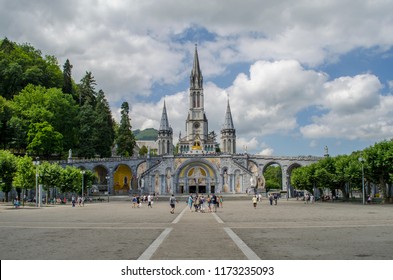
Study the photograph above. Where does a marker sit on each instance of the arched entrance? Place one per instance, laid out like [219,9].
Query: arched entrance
[122,179]
[197,177]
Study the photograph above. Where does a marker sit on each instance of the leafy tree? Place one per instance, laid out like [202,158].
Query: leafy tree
[87,132]
[24,178]
[70,179]
[104,127]
[143,151]
[379,165]
[21,65]
[36,104]
[44,140]
[125,139]
[5,117]
[8,168]
[50,177]
[87,92]
[273,175]
[67,77]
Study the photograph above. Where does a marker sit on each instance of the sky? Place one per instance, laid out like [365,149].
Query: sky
[300,75]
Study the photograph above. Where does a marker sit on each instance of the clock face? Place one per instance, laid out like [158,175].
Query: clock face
[196,125]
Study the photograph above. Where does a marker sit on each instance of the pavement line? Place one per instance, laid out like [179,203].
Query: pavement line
[74,227]
[218,219]
[148,253]
[242,246]
[175,221]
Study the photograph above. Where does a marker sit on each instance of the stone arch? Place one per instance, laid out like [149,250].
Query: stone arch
[196,175]
[288,173]
[100,183]
[123,180]
[282,176]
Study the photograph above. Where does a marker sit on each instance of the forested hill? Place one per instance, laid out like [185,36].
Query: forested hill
[146,134]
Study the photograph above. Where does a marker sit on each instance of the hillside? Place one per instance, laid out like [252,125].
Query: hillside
[146,134]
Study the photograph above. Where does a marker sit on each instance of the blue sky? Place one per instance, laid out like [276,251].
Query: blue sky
[300,75]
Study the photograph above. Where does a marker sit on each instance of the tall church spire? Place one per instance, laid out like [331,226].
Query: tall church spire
[164,124]
[228,124]
[165,141]
[228,133]
[196,78]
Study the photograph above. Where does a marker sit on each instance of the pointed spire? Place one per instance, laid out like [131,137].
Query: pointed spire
[196,78]
[228,124]
[164,124]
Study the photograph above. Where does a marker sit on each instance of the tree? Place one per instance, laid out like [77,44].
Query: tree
[125,139]
[50,177]
[87,92]
[5,117]
[44,140]
[379,166]
[67,78]
[70,179]
[21,65]
[273,176]
[143,151]
[24,178]
[104,127]
[8,168]
[87,132]
[36,104]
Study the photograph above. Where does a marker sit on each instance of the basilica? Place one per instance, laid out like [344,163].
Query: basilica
[199,165]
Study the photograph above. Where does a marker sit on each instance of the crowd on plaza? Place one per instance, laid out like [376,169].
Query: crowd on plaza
[202,204]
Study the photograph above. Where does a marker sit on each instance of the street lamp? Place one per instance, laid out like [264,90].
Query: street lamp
[83,183]
[107,182]
[36,163]
[363,192]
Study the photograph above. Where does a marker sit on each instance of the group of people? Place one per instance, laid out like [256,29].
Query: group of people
[80,200]
[138,200]
[273,198]
[202,203]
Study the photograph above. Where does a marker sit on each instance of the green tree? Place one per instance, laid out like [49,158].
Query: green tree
[103,124]
[36,104]
[87,132]
[50,177]
[21,65]
[143,151]
[44,140]
[273,175]
[24,178]
[70,179]
[379,166]
[5,117]
[8,168]
[86,89]
[67,78]
[125,139]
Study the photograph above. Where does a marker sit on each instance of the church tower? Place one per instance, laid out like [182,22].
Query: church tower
[228,134]
[197,139]
[165,139]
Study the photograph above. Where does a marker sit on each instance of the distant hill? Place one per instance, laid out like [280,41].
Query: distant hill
[146,134]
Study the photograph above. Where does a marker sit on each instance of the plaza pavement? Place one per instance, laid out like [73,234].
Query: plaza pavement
[114,230]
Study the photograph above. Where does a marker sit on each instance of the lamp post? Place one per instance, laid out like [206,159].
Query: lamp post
[36,163]
[83,185]
[363,192]
[107,182]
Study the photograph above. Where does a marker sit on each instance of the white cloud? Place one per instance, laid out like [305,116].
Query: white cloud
[131,47]
[355,110]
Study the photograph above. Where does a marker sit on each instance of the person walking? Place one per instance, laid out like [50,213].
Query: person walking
[172,203]
[215,202]
[149,201]
[254,201]
[190,202]
[271,199]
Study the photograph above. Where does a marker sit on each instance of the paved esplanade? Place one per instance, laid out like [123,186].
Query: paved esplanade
[290,230]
